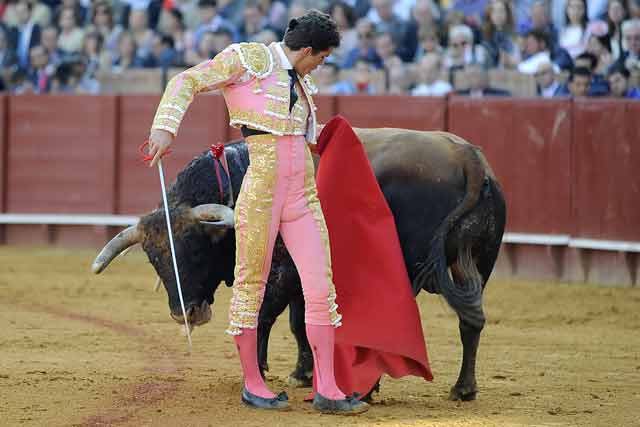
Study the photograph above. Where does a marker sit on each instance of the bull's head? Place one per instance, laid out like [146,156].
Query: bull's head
[204,247]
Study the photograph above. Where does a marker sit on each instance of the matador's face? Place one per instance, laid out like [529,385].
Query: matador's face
[310,61]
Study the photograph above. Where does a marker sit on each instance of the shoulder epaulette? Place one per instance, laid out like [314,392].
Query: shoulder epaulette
[256,58]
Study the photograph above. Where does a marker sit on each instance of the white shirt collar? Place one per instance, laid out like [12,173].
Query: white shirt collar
[283,57]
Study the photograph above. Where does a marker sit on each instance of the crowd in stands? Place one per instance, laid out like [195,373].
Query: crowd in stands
[417,47]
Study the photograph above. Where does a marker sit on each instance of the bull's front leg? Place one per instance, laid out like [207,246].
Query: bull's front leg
[273,304]
[302,375]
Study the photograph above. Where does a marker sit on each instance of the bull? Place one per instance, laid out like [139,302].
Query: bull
[448,208]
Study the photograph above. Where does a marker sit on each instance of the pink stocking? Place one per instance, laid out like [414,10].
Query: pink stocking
[322,340]
[247,344]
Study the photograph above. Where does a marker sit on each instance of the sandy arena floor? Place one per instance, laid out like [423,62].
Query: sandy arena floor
[78,349]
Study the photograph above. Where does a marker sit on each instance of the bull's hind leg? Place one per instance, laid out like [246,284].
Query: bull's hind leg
[303,373]
[466,387]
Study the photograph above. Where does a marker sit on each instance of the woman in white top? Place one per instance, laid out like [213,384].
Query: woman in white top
[573,36]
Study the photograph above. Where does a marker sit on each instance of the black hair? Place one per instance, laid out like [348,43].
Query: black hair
[618,67]
[348,12]
[314,29]
[207,3]
[579,71]
[541,36]
[591,57]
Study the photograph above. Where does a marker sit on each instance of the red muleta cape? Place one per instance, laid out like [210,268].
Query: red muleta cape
[381,331]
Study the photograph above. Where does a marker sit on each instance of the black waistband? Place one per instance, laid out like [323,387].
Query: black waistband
[246,132]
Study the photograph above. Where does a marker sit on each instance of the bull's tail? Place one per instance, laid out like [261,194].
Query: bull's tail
[433,275]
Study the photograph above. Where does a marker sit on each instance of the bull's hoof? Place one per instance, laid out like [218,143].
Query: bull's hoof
[301,380]
[463,393]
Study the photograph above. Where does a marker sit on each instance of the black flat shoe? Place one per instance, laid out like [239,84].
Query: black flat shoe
[280,402]
[350,405]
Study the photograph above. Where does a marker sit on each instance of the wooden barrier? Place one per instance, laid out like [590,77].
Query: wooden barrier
[418,112]
[139,187]
[567,169]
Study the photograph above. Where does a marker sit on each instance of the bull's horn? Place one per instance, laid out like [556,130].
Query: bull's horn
[123,240]
[219,216]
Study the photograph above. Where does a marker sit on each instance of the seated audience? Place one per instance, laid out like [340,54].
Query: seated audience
[547,84]
[429,82]
[478,79]
[619,83]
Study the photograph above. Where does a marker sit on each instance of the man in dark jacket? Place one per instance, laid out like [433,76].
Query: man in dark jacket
[25,35]
[479,83]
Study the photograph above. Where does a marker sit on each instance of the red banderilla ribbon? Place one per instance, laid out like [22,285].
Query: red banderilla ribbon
[217,150]
[144,156]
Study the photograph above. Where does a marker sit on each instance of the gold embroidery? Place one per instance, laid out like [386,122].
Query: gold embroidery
[253,218]
[256,58]
[210,75]
[265,122]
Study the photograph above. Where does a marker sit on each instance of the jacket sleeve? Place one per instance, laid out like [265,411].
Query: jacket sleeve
[224,69]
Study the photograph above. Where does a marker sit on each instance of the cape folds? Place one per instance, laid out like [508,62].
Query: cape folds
[381,331]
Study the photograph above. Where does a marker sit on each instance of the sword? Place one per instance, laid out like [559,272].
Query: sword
[173,252]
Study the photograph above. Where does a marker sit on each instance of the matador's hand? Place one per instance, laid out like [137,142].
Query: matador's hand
[159,142]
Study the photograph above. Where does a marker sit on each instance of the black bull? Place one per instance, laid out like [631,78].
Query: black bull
[447,204]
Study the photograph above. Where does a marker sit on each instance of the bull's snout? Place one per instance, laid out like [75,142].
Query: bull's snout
[196,314]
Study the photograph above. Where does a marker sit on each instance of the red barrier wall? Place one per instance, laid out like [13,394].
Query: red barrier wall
[606,181]
[139,187]
[528,144]
[422,113]
[3,152]
[61,154]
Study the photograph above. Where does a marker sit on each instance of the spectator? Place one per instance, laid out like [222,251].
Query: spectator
[211,20]
[462,51]
[597,9]
[618,78]
[365,49]
[221,39]
[172,25]
[429,43]
[498,35]
[8,58]
[425,18]
[579,82]
[127,56]
[599,45]
[573,37]
[163,54]
[386,21]
[206,49]
[363,77]
[20,83]
[79,10]
[266,36]
[102,21]
[297,9]
[547,84]
[38,69]
[541,21]
[630,57]
[345,20]
[328,81]
[96,59]
[537,50]
[25,35]
[471,9]
[360,7]
[276,14]
[71,35]
[599,85]
[254,21]
[634,9]
[616,14]
[139,29]
[397,77]
[40,13]
[478,79]
[49,41]
[429,82]
[385,48]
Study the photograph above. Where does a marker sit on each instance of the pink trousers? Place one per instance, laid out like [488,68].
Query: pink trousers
[279,194]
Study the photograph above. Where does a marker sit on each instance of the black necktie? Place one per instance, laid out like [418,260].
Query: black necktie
[292,88]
